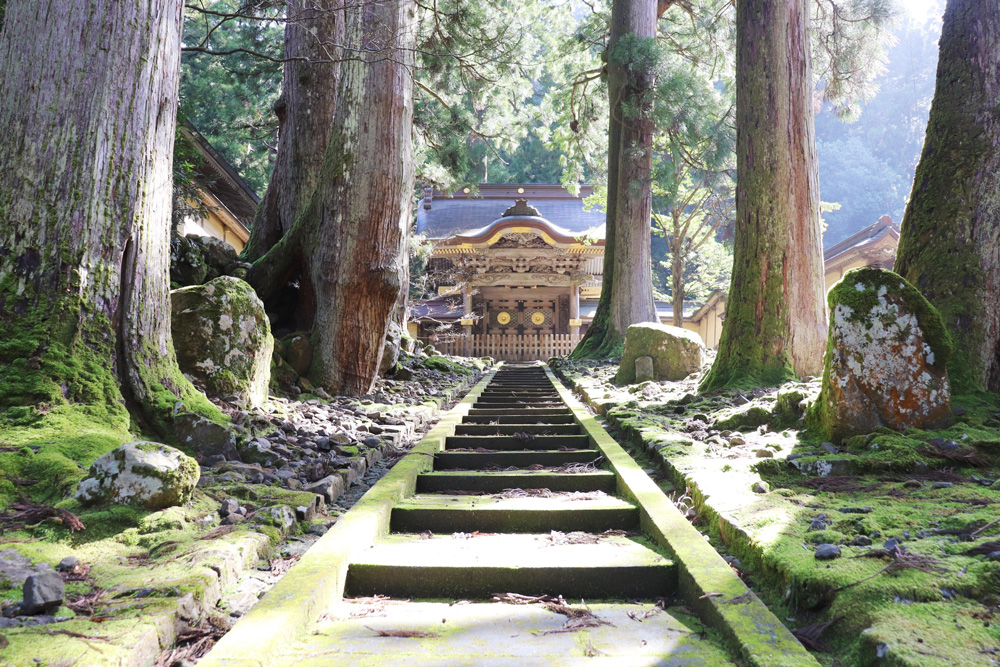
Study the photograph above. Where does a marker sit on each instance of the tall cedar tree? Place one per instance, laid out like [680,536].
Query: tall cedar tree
[88,97]
[348,246]
[949,245]
[627,289]
[775,325]
[313,34]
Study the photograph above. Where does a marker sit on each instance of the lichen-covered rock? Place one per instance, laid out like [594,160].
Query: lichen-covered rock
[885,359]
[223,338]
[187,263]
[143,474]
[676,352]
[205,437]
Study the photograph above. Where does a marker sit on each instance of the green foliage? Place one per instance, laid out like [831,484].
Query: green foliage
[229,99]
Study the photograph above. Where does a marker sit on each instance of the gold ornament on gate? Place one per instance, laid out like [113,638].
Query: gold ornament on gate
[538,318]
[503,318]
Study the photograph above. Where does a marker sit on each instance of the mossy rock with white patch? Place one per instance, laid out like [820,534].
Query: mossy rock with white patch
[886,359]
[676,352]
[142,474]
[223,338]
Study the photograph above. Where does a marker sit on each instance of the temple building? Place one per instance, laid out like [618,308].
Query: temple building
[517,270]
[225,204]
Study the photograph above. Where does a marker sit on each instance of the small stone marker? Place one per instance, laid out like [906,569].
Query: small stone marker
[885,361]
[676,352]
[644,369]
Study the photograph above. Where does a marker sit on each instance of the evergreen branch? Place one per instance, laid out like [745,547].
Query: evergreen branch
[485,138]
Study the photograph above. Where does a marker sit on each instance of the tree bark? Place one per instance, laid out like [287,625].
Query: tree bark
[88,97]
[629,195]
[679,258]
[949,245]
[305,114]
[352,236]
[775,326]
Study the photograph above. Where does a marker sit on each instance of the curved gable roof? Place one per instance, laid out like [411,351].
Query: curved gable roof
[442,215]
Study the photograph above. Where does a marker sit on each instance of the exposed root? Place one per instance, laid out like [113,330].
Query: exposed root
[25,514]
[964,456]
[901,560]
[810,636]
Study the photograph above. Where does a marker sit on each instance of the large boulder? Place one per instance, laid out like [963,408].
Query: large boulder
[223,338]
[143,474]
[885,359]
[676,352]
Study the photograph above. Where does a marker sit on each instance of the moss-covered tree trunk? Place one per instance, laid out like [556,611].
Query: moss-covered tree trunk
[88,97]
[629,195]
[775,326]
[313,38]
[353,233]
[949,246]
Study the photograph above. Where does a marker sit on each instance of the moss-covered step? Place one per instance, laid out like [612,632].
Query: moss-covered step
[522,459]
[511,429]
[509,442]
[566,512]
[480,566]
[520,410]
[518,419]
[442,481]
[366,633]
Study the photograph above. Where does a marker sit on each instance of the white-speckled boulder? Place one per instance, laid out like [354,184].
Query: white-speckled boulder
[885,359]
[223,338]
[143,474]
[676,352]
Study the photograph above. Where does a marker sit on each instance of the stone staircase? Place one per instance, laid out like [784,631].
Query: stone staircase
[518,533]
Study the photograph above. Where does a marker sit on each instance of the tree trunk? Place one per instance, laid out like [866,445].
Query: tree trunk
[352,236]
[88,97]
[949,246]
[305,113]
[629,195]
[775,325]
[677,279]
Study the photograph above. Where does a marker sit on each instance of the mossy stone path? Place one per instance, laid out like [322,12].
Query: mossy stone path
[517,494]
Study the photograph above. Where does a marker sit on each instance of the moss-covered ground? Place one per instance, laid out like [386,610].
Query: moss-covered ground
[767,493]
[137,567]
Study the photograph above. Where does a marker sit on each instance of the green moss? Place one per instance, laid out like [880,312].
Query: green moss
[750,418]
[445,366]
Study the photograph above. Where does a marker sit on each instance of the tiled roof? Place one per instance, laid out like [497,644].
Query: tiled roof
[465,213]
[866,236]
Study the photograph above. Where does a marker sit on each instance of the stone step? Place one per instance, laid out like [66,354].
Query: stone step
[516,404]
[530,393]
[593,512]
[443,481]
[501,460]
[511,429]
[510,443]
[440,634]
[454,567]
[518,419]
[524,410]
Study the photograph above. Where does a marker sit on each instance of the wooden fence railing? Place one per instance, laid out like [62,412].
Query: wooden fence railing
[510,347]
